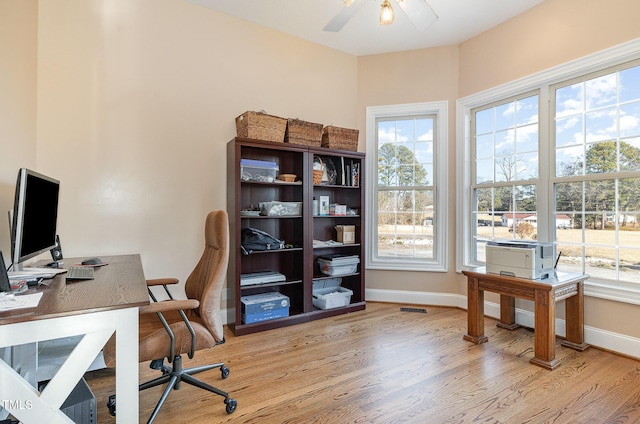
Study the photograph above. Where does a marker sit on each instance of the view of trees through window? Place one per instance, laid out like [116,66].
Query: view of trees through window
[597,184]
[506,169]
[594,147]
[405,187]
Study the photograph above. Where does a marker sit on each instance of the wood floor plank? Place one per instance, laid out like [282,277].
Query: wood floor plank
[383,365]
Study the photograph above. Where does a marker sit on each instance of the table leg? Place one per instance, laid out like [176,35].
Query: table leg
[475,312]
[575,320]
[127,366]
[507,312]
[545,330]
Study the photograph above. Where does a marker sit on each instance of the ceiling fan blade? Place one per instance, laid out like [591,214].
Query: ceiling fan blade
[419,12]
[341,19]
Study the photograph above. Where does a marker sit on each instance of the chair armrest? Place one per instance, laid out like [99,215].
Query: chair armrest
[169,305]
[162,281]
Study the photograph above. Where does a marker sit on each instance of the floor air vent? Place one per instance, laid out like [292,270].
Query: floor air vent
[419,310]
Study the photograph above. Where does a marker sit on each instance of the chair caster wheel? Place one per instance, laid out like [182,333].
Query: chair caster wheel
[224,371]
[111,404]
[231,405]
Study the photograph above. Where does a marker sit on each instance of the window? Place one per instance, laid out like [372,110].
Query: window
[578,187]
[406,159]
[597,167]
[505,159]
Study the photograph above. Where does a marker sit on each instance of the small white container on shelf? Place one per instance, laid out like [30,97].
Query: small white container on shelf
[327,294]
[339,266]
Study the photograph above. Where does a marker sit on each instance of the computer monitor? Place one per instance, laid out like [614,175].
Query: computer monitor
[35,215]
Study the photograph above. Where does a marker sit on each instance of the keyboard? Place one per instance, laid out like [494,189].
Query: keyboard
[80,273]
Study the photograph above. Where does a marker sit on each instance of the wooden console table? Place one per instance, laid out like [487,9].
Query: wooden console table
[544,294]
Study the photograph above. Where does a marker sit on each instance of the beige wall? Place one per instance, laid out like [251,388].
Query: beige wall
[18,69]
[416,76]
[136,101]
[554,32]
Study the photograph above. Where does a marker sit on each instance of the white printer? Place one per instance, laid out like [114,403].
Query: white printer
[532,260]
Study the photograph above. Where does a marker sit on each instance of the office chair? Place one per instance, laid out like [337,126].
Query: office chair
[171,328]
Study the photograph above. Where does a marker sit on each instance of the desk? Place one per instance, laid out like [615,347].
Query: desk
[544,294]
[93,308]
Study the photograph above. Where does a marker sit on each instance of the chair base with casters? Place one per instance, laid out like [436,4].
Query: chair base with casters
[174,376]
[173,327]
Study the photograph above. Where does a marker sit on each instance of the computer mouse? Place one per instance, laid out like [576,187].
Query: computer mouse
[92,261]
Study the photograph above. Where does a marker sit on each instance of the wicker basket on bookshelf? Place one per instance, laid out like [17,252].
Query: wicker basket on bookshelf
[340,138]
[317,173]
[303,132]
[260,126]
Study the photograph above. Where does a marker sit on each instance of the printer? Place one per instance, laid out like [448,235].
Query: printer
[532,260]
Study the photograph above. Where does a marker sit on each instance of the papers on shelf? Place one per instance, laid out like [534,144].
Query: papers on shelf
[320,243]
[10,302]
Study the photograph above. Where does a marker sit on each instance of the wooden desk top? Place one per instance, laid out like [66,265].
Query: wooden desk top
[561,279]
[121,284]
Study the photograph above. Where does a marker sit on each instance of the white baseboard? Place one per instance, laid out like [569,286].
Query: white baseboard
[615,342]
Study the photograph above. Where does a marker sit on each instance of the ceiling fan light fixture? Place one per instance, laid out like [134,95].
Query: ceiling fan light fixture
[386,13]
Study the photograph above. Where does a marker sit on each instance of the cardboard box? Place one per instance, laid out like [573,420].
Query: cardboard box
[265,315]
[337,209]
[346,234]
[263,302]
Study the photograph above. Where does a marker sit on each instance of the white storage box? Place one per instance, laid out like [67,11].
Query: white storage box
[258,170]
[327,294]
[338,265]
[280,208]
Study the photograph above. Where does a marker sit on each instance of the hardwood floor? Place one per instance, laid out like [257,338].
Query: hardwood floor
[382,365]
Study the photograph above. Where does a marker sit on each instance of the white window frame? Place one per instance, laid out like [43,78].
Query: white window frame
[439,262]
[621,291]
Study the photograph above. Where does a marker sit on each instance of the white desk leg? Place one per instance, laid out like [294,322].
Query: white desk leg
[127,408]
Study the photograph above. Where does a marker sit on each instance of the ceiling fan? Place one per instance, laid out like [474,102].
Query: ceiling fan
[418,11]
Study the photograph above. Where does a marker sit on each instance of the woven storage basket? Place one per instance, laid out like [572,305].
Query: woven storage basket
[303,132]
[260,126]
[318,173]
[340,138]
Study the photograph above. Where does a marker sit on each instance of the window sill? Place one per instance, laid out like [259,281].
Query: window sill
[619,292]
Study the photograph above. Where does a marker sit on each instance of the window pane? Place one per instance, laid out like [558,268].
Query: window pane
[629,267]
[630,120]
[484,121]
[510,152]
[527,111]
[505,143]
[505,116]
[527,139]
[601,158]
[601,125]
[569,161]
[601,92]
[484,146]
[629,86]
[600,262]
[505,168]
[569,100]
[569,131]
[386,132]
[527,166]
[484,171]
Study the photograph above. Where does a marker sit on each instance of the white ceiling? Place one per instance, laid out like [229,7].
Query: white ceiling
[458,21]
